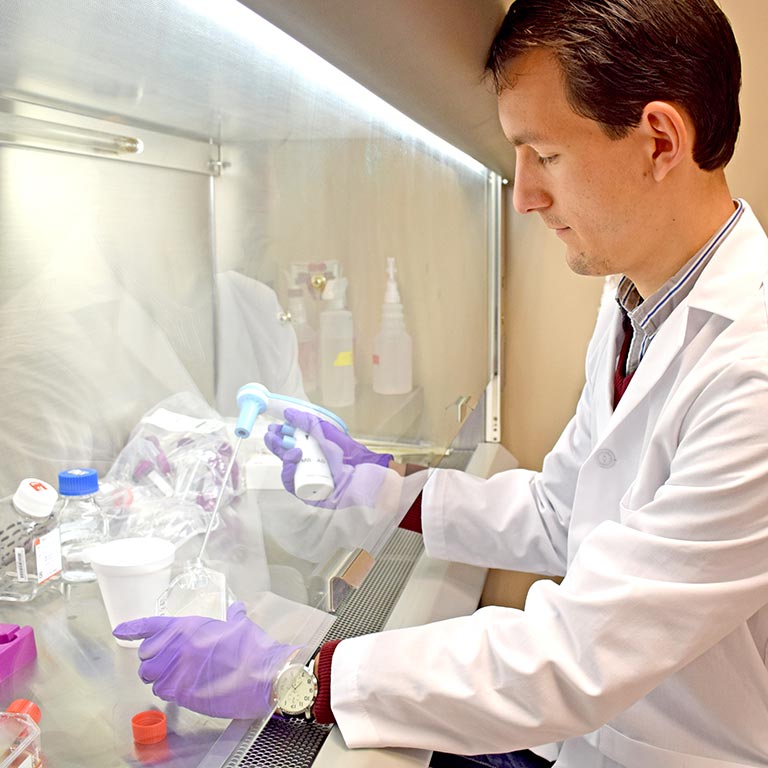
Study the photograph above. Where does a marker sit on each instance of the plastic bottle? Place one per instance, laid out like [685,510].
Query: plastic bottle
[392,346]
[306,337]
[30,546]
[20,735]
[337,369]
[82,523]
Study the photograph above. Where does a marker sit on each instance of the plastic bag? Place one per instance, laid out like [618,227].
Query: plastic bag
[166,480]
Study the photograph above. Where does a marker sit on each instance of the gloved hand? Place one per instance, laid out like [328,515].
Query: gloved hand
[357,472]
[219,668]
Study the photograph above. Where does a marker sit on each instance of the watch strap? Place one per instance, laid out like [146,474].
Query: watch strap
[321,709]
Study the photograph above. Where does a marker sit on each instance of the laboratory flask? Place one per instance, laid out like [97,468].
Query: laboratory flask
[30,548]
[20,735]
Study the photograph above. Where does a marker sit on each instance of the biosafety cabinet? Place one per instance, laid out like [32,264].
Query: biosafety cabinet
[181,184]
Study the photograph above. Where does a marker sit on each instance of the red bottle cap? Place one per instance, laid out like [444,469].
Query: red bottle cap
[149,727]
[25,707]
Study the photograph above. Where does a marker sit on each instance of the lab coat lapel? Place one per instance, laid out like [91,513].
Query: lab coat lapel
[665,347]
[738,264]
[604,402]
[660,355]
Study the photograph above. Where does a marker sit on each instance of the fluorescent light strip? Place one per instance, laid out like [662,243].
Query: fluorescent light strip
[294,56]
[31,132]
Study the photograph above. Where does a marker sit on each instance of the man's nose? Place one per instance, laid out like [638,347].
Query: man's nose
[529,193]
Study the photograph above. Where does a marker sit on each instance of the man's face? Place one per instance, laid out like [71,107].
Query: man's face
[593,191]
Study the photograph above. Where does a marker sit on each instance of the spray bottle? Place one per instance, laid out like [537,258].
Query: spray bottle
[392,346]
[337,371]
[313,481]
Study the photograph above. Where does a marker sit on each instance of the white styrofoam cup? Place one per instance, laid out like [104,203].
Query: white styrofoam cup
[131,574]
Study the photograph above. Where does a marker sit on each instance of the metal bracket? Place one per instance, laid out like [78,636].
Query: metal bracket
[341,573]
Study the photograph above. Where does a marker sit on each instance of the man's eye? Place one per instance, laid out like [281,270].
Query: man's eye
[546,159]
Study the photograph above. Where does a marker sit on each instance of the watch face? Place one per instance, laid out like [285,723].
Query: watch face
[296,690]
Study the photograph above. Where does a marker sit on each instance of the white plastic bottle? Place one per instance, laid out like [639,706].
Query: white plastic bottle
[82,523]
[306,336]
[392,345]
[337,367]
[30,547]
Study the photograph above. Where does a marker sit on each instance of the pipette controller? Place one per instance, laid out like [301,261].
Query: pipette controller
[313,480]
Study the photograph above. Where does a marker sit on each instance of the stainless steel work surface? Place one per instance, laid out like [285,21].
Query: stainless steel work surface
[87,688]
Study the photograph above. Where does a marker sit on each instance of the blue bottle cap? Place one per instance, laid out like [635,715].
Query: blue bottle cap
[78,482]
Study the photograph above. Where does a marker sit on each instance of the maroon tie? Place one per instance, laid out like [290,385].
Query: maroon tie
[620,378]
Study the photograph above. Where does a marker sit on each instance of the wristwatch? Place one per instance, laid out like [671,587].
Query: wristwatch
[296,690]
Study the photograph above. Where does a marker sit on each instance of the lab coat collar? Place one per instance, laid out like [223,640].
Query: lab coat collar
[735,272]
[737,269]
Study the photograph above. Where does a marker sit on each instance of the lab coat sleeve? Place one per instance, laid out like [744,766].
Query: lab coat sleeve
[515,520]
[644,597]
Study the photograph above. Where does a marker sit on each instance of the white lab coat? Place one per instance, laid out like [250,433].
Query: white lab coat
[652,651]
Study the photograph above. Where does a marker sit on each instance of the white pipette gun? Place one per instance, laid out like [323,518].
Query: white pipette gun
[313,480]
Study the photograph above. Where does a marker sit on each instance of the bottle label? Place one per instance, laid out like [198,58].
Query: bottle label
[21,563]
[48,555]
[343,359]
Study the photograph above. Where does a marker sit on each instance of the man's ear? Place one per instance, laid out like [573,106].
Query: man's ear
[669,136]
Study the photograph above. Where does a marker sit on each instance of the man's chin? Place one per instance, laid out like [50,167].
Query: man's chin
[581,263]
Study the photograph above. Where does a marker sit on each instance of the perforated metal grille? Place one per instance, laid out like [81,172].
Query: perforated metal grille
[367,609]
[282,744]
[293,743]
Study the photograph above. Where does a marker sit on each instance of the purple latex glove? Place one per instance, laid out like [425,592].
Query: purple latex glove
[219,668]
[357,472]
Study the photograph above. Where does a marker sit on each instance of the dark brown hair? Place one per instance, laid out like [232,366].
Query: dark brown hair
[616,56]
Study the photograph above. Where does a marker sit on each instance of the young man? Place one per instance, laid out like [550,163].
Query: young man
[652,505]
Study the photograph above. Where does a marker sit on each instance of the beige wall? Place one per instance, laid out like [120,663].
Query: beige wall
[549,312]
[748,171]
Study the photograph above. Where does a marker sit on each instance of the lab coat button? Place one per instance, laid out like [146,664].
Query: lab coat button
[605,458]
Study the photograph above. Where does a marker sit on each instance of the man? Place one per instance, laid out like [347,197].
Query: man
[652,505]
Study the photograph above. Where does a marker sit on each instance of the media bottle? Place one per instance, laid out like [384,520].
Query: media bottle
[337,368]
[392,345]
[82,523]
[30,546]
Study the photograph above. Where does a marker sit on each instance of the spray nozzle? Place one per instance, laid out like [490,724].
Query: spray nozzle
[255,399]
[252,400]
[392,294]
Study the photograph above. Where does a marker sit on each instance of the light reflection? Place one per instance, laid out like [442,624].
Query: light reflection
[278,46]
